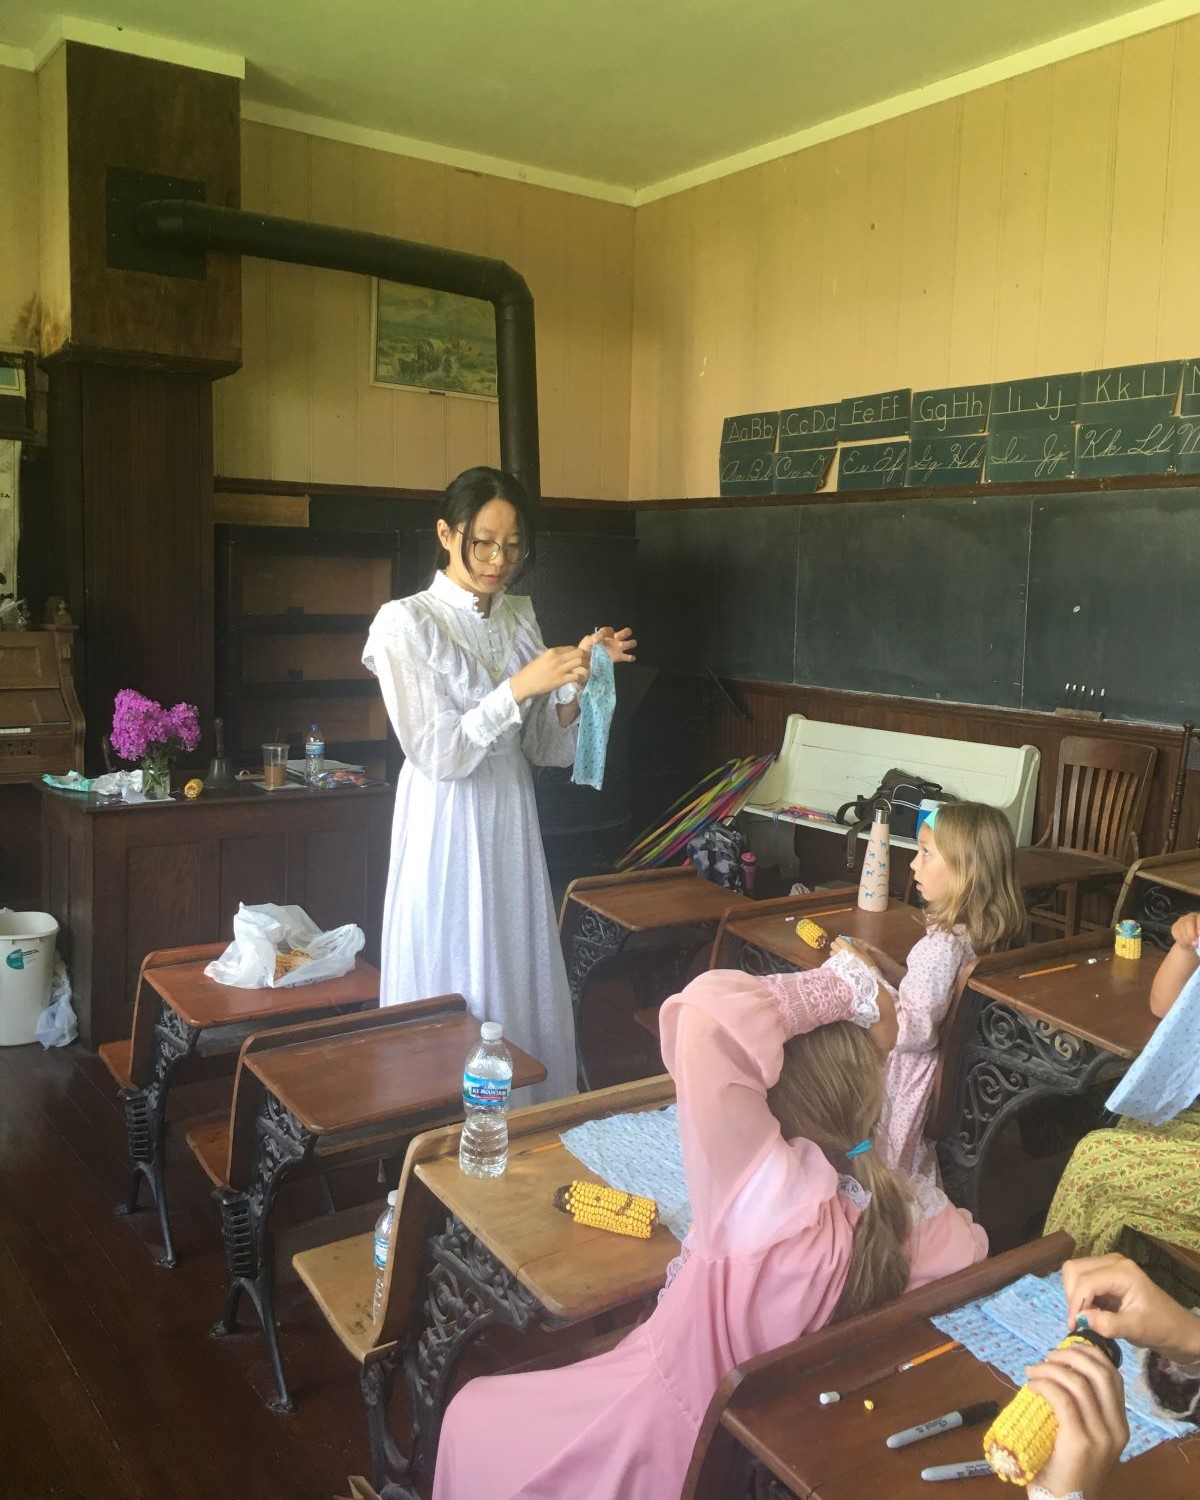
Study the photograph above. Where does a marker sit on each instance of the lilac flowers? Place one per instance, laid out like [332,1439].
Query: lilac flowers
[143,727]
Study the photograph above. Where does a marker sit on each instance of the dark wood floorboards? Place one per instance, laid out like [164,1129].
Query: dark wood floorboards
[110,1386]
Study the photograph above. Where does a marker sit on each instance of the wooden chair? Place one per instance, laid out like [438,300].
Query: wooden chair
[227,1147]
[1172,1267]
[341,1279]
[1100,801]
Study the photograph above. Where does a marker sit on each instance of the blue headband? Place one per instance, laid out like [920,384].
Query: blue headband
[930,818]
[861,1149]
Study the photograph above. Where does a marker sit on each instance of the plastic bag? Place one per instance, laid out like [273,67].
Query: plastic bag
[275,947]
[57,1024]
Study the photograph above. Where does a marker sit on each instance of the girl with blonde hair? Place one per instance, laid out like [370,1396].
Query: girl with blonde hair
[964,869]
[797,1221]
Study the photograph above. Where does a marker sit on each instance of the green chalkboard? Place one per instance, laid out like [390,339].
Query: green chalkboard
[872,466]
[1116,394]
[1046,399]
[885,414]
[1136,443]
[951,411]
[801,472]
[946,461]
[807,427]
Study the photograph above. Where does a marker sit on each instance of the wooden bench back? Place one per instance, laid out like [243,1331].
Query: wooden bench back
[770,1376]
[146,1004]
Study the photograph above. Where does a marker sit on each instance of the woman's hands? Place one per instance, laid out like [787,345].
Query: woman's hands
[553,669]
[619,644]
[1088,1398]
[1120,1301]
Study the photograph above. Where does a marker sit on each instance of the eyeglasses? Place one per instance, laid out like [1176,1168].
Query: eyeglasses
[485,552]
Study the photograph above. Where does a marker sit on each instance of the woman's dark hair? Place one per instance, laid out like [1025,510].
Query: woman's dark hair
[466,496]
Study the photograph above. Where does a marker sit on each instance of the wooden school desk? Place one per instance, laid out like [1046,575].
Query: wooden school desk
[1041,871]
[1159,889]
[1034,1023]
[663,916]
[767,1434]
[178,1013]
[327,1101]
[764,941]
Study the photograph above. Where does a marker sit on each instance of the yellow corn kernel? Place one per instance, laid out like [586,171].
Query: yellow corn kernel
[1020,1441]
[809,932]
[602,1207]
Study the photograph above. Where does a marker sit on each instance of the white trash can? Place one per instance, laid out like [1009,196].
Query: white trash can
[26,971]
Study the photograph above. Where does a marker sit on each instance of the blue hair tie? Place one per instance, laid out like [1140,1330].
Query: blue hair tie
[860,1150]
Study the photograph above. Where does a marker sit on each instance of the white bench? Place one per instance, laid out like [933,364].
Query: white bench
[822,766]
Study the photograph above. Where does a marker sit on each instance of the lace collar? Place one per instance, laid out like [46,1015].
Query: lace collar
[450,593]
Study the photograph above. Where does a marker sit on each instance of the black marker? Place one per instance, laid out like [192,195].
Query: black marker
[982,1411]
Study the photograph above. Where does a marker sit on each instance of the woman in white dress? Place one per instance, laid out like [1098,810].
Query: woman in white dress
[475,696]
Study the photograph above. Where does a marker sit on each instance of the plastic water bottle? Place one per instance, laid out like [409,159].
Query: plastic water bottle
[383,1230]
[314,754]
[487,1080]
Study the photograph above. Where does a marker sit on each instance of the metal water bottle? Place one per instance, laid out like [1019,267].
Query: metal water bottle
[876,870]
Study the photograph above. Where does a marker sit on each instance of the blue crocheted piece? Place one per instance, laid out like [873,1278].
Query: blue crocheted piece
[1014,1327]
[641,1154]
[597,704]
[1165,1079]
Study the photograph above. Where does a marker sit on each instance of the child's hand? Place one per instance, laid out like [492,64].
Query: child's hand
[892,971]
[1186,931]
[850,945]
[1088,1398]
[619,644]
[1120,1301]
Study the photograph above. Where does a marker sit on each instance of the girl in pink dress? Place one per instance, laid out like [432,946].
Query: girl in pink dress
[965,869]
[796,1222]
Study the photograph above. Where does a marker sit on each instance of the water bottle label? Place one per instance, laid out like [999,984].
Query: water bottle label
[381,1249]
[485,1093]
[315,747]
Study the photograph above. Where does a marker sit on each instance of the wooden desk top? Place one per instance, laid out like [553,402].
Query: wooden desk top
[1046,867]
[679,899]
[839,1452]
[1107,1003]
[367,1078]
[1181,875]
[895,930]
[574,1272]
[202,1002]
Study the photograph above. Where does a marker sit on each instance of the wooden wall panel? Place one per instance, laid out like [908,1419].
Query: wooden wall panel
[19,192]
[304,394]
[1041,224]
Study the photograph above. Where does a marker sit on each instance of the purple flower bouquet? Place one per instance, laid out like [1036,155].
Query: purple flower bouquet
[145,731]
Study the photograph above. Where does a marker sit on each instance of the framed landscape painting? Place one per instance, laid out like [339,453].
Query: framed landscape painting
[433,341]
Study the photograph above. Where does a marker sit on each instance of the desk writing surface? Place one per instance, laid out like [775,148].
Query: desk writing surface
[895,930]
[1038,867]
[648,906]
[1106,1003]
[366,1078]
[574,1271]
[202,1002]
[1181,876]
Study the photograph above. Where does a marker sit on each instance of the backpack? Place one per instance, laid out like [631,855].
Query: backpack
[716,852]
[902,792]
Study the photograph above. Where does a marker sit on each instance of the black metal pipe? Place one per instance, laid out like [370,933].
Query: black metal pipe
[240,232]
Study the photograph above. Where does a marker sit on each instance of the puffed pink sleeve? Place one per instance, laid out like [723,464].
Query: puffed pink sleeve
[925,992]
[722,1042]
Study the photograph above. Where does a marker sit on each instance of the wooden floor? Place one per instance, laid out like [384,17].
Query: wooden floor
[110,1387]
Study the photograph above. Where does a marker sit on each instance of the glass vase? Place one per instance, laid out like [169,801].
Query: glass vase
[156,776]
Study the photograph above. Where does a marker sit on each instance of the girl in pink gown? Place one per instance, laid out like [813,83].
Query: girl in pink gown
[965,869]
[791,1227]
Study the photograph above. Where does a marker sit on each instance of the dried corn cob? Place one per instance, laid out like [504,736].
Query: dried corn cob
[602,1207]
[808,932]
[1020,1441]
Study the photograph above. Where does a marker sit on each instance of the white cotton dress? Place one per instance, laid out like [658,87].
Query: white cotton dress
[468,906]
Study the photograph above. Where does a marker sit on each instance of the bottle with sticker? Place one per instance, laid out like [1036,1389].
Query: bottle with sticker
[383,1230]
[487,1082]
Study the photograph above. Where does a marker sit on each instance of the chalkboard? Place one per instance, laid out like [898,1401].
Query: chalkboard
[951,411]
[885,414]
[807,427]
[991,599]
[946,461]
[1045,398]
[1114,601]
[872,466]
[1113,395]
[1136,443]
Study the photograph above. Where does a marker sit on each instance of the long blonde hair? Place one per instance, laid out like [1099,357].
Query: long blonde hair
[831,1092]
[976,841]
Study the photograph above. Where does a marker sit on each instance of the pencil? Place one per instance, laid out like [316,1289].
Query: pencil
[549,1146]
[911,1364]
[1054,969]
[831,911]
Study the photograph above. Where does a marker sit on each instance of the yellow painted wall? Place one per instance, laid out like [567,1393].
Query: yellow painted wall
[1045,224]
[302,408]
[19,168]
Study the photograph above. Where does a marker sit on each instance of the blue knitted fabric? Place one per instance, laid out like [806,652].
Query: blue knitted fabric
[640,1154]
[597,703]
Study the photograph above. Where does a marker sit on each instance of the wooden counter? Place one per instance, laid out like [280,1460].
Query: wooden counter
[124,879]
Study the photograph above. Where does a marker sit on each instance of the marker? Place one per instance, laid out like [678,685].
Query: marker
[982,1411]
[1055,969]
[976,1469]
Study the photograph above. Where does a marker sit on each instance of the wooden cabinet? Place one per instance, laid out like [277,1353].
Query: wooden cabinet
[123,880]
[41,725]
[293,610]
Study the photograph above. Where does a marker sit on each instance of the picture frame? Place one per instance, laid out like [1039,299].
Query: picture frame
[432,341]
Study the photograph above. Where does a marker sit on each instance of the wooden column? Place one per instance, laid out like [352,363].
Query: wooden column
[133,338]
